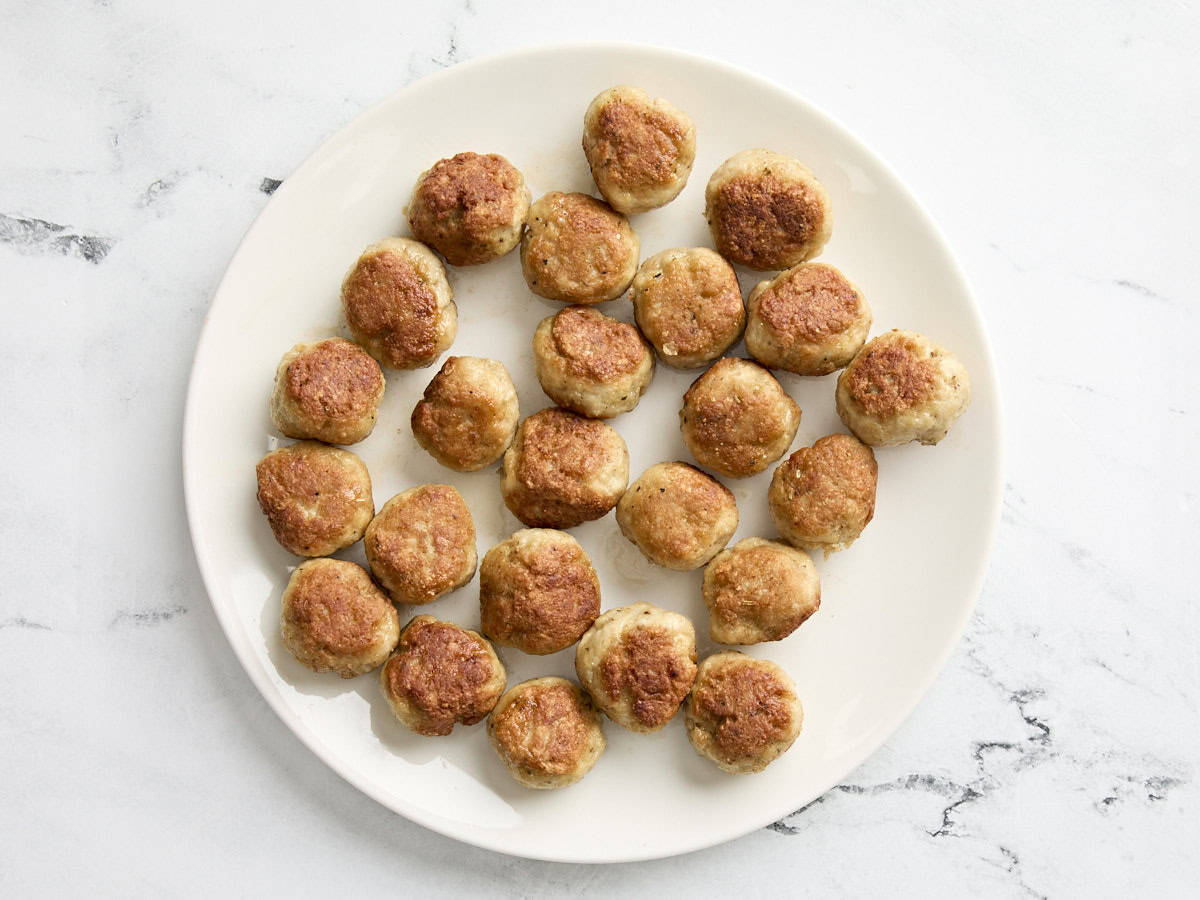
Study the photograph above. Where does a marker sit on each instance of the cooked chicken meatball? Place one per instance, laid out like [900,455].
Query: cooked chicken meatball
[422,544]
[679,517]
[538,591]
[469,208]
[547,732]
[327,391]
[688,304]
[640,150]
[335,619]
[399,305]
[591,363]
[809,320]
[737,419]
[577,249]
[317,498]
[468,415]
[441,674]
[759,590]
[766,210]
[563,470]
[638,663]
[823,496]
[902,387]
[743,712]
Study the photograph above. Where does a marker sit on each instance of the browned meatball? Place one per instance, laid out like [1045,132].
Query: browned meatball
[327,391]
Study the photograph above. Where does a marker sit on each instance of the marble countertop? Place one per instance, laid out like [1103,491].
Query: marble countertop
[1057,147]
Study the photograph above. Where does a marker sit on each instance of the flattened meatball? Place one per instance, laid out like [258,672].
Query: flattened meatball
[809,320]
[743,713]
[469,208]
[737,419]
[563,470]
[591,363]
[766,210]
[902,387]
[547,733]
[577,249]
[638,663]
[317,498]
[679,517]
[538,591]
[823,496]
[759,590]
[335,619]
[468,415]
[441,674]
[327,391]
[688,304]
[399,305]
[640,150]
[422,544]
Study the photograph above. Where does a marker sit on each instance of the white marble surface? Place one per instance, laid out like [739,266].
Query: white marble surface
[1056,755]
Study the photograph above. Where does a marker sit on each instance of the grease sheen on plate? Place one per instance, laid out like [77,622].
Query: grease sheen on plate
[893,605]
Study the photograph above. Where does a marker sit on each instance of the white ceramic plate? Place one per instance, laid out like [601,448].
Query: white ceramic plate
[893,605]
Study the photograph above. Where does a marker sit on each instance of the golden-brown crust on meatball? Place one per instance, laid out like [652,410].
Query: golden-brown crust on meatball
[470,207]
[902,387]
[327,391]
[809,320]
[743,712]
[335,619]
[591,363]
[823,496]
[640,150]
[759,590]
[737,419]
[422,544]
[678,516]
[563,470]
[547,732]
[688,304]
[468,415]
[767,210]
[399,305]
[317,498]
[538,591]
[441,674]
[577,249]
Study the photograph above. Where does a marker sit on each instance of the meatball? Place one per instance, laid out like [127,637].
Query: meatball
[743,713]
[638,663]
[823,496]
[563,470]
[809,320]
[547,732]
[469,208]
[441,674]
[688,304]
[399,305]
[335,619]
[591,363]
[327,391]
[679,517]
[422,544]
[468,415]
[317,498]
[759,590]
[902,387]
[737,419]
[577,249]
[766,210]
[538,591]
[640,150]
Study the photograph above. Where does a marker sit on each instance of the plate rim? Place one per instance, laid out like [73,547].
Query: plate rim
[232,628]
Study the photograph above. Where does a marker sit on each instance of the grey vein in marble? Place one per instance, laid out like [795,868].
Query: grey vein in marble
[29,235]
[141,618]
